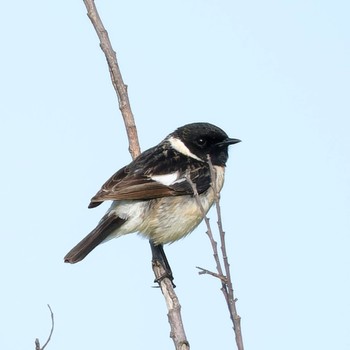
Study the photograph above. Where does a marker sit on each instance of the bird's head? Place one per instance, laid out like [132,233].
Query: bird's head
[198,140]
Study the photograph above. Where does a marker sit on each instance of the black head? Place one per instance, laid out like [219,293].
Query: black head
[198,140]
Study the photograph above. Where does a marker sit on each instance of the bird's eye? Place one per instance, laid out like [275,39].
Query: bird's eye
[201,142]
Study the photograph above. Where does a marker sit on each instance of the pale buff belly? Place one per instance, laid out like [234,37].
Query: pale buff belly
[167,219]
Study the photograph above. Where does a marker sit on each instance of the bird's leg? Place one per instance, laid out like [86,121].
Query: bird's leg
[159,256]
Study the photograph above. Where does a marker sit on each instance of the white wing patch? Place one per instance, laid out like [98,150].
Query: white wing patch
[182,148]
[167,179]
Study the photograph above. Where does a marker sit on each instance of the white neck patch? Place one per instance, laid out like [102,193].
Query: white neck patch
[178,145]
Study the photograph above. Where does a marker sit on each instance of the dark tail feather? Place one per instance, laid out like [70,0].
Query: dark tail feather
[107,225]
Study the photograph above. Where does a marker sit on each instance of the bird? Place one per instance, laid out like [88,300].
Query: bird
[155,195]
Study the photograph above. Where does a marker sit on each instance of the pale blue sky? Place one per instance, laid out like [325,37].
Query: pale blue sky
[272,73]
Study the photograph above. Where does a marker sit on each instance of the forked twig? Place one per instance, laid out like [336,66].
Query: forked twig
[207,222]
[229,294]
[226,282]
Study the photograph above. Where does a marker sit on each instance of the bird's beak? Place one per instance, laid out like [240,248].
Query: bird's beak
[228,142]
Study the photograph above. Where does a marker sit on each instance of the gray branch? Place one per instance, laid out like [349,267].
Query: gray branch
[172,302]
[226,281]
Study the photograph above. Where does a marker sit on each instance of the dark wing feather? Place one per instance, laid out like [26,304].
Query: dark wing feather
[108,186]
[134,182]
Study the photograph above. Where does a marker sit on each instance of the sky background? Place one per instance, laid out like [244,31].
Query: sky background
[274,74]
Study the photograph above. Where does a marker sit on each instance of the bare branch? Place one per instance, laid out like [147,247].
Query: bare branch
[209,230]
[116,77]
[207,222]
[229,294]
[177,331]
[172,302]
[211,273]
[37,343]
[226,282]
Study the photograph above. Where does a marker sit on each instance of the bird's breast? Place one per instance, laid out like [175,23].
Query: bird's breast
[172,218]
[166,219]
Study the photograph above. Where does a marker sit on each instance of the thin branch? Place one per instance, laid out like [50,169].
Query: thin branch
[226,282]
[37,343]
[209,232]
[229,294]
[177,331]
[231,300]
[172,302]
[116,77]
[207,222]
[211,273]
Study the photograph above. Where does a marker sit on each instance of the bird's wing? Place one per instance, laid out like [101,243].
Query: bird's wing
[155,175]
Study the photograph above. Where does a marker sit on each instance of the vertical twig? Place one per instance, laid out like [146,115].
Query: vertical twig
[229,294]
[172,302]
[209,232]
[226,281]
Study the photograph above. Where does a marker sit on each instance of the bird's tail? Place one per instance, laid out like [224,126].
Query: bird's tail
[107,225]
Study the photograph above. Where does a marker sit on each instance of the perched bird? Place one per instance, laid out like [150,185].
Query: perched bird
[153,195]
